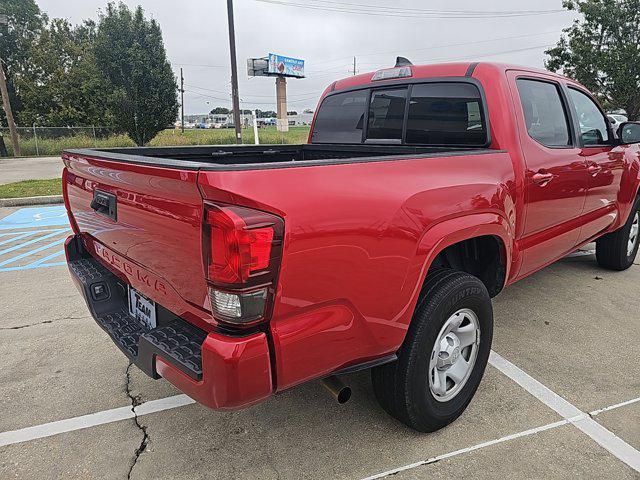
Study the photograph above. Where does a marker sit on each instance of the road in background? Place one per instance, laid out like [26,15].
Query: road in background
[29,168]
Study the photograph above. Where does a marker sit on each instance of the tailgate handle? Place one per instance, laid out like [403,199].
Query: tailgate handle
[105,204]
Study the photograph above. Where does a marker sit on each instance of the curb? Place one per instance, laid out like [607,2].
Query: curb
[30,201]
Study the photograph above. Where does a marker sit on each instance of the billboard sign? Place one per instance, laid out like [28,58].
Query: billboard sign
[285,66]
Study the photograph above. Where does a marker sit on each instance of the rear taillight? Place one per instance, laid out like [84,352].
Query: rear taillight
[242,250]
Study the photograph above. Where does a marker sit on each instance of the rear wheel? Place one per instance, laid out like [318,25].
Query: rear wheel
[617,250]
[444,355]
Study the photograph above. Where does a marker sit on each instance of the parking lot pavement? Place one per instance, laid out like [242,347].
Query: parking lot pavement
[572,332]
[558,453]
[104,452]
[625,422]
[575,328]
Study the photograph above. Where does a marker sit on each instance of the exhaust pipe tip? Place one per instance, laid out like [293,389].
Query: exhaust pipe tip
[338,390]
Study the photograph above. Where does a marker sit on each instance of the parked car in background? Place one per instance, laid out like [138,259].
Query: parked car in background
[619,118]
[235,272]
[616,120]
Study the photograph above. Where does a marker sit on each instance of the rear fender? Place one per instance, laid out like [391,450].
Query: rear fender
[455,230]
[629,190]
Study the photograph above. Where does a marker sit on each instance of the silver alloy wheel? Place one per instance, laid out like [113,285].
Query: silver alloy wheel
[454,354]
[633,234]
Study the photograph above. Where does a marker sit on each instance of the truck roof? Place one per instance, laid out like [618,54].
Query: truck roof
[457,69]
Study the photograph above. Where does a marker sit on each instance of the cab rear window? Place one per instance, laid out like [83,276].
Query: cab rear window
[432,114]
[445,114]
[341,118]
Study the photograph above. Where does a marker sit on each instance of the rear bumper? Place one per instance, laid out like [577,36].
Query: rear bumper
[219,371]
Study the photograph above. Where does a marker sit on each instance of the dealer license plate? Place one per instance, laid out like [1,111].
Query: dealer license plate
[142,308]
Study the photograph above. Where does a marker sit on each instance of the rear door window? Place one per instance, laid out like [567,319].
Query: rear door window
[386,114]
[544,112]
[340,118]
[445,114]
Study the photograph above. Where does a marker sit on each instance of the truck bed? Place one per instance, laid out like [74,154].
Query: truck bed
[254,157]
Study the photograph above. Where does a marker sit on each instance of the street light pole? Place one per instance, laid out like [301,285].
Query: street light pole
[182,100]
[234,73]
[5,99]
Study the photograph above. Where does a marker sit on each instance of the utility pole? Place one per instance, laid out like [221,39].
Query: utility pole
[5,99]
[354,65]
[182,99]
[234,73]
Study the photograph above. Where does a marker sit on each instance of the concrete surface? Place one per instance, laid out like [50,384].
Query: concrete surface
[573,326]
[561,453]
[626,422]
[29,168]
[550,323]
[102,453]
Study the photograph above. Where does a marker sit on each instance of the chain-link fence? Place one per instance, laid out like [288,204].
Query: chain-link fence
[51,141]
[44,141]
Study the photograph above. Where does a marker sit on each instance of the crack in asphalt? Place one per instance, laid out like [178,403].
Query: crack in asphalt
[44,322]
[135,401]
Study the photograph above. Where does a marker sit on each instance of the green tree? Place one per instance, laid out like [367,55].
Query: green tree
[130,54]
[26,22]
[63,86]
[265,113]
[602,51]
[219,111]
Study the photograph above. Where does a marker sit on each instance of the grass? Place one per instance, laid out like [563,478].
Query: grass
[223,136]
[54,146]
[31,188]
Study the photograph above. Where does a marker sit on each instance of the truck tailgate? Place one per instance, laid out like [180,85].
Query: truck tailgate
[156,222]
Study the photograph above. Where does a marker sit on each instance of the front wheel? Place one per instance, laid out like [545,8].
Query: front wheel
[444,355]
[617,250]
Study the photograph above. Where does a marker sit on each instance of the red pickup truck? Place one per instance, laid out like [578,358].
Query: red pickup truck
[236,272]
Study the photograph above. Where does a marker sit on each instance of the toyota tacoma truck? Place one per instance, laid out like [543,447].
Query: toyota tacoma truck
[236,272]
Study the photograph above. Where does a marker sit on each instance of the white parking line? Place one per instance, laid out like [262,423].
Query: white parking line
[613,407]
[579,419]
[605,438]
[91,420]
[506,438]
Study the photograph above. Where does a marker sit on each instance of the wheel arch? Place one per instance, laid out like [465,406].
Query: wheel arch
[487,233]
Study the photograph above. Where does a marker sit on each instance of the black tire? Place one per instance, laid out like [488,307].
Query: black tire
[402,387]
[611,249]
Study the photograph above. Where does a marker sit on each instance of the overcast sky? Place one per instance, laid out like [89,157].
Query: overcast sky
[327,37]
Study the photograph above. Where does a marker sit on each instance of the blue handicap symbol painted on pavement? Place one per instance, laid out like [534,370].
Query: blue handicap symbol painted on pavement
[29,233]
[35,217]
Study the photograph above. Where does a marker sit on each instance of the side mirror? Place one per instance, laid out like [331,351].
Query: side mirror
[629,132]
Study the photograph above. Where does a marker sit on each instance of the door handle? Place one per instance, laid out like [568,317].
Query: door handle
[594,169]
[542,178]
